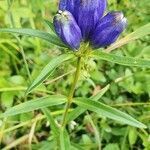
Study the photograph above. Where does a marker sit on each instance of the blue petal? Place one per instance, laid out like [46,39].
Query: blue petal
[67,29]
[108,29]
[68,5]
[88,13]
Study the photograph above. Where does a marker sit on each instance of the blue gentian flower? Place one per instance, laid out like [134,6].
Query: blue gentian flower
[83,20]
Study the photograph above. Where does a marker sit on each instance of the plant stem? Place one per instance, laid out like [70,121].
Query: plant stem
[71,93]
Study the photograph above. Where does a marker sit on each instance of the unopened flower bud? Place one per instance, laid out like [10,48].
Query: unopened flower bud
[67,29]
[108,29]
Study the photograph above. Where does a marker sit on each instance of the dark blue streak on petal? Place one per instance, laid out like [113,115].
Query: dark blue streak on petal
[88,13]
[69,5]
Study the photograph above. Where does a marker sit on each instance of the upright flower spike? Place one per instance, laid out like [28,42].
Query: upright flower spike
[88,13]
[67,29]
[108,29]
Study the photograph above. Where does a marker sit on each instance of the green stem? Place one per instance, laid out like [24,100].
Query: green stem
[71,93]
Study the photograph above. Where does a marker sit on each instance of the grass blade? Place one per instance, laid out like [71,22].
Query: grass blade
[109,112]
[127,61]
[47,70]
[34,105]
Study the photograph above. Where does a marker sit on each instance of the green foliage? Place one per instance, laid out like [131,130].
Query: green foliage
[79,110]
[107,111]
[51,121]
[111,85]
[64,140]
[127,61]
[34,105]
[48,69]
[36,33]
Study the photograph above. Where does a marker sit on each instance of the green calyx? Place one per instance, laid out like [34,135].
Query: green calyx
[84,51]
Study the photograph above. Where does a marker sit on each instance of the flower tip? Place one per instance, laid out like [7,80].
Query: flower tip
[60,12]
[117,15]
[118,18]
[125,21]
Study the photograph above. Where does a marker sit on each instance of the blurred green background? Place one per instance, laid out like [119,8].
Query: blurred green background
[129,90]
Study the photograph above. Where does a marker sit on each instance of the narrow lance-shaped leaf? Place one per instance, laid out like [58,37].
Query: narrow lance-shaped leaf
[34,105]
[127,61]
[47,70]
[79,110]
[64,140]
[35,33]
[107,111]
[139,33]
[51,120]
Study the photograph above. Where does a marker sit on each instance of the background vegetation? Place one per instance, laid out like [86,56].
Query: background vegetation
[129,89]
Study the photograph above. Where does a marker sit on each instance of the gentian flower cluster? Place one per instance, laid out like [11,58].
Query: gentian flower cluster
[83,21]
